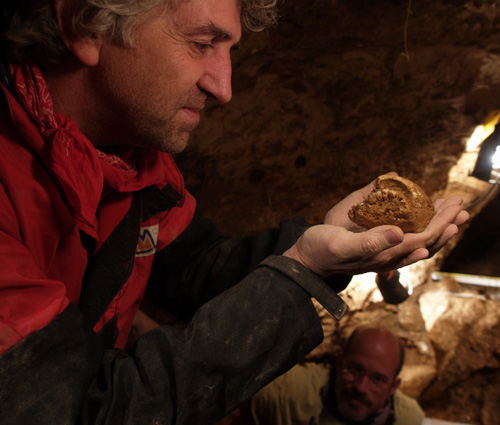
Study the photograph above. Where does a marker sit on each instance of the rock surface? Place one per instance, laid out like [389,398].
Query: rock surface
[394,201]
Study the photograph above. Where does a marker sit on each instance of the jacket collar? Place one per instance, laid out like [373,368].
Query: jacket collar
[80,170]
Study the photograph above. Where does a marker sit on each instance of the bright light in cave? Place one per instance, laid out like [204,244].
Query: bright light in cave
[496,159]
[479,134]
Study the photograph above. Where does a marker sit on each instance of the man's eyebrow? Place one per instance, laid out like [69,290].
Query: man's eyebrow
[215,31]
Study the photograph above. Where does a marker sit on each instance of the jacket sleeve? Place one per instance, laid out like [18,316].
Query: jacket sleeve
[202,262]
[235,344]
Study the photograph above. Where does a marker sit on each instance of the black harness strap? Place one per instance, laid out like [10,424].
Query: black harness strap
[156,200]
[111,266]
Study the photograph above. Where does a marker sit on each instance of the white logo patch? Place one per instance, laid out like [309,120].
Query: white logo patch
[148,238]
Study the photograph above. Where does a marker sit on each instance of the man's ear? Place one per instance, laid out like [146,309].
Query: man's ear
[85,49]
[395,385]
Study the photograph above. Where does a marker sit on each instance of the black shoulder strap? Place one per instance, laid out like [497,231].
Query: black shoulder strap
[111,266]
[156,200]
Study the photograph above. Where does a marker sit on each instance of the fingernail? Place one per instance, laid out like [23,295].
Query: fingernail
[392,237]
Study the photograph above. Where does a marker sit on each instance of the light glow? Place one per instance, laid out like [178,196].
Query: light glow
[477,137]
[495,160]
[481,132]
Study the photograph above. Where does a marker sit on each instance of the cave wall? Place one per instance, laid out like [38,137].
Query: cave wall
[338,93]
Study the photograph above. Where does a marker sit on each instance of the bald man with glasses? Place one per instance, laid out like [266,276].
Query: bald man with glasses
[361,387]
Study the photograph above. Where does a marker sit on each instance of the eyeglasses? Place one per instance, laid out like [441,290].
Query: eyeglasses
[354,372]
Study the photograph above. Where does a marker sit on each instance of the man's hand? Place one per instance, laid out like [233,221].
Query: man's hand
[340,246]
[337,215]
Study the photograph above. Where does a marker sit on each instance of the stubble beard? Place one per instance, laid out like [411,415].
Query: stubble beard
[354,413]
[170,135]
[164,135]
[174,140]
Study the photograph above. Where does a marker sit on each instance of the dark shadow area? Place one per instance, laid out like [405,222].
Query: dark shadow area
[478,252]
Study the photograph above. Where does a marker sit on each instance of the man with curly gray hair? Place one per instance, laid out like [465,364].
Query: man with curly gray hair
[33,29]
[95,97]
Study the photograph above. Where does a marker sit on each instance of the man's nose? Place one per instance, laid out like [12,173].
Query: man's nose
[216,79]
[362,384]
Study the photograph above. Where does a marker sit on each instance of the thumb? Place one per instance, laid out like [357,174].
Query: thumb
[380,238]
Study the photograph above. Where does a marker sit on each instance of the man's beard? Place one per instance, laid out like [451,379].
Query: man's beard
[353,394]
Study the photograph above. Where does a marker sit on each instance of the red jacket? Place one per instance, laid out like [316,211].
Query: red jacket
[249,310]
[40,239]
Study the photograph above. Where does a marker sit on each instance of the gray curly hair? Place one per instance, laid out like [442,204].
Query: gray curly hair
[30,30]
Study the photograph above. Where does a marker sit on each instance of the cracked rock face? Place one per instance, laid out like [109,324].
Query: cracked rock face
[395,201]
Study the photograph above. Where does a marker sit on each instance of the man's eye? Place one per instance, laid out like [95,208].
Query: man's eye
[203,47]
[379,380]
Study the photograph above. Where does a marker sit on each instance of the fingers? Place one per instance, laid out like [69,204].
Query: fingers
[443,203]
[334,248]
[380,247]
[393,259]
[414,256]
[377,240]
[462,217]
[445,215]
[417,255]
[326,249]
[437,232]
[443,226]
[438,203]
[449,232]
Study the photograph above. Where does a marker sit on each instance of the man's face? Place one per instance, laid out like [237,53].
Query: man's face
[365,381]
[151,94]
